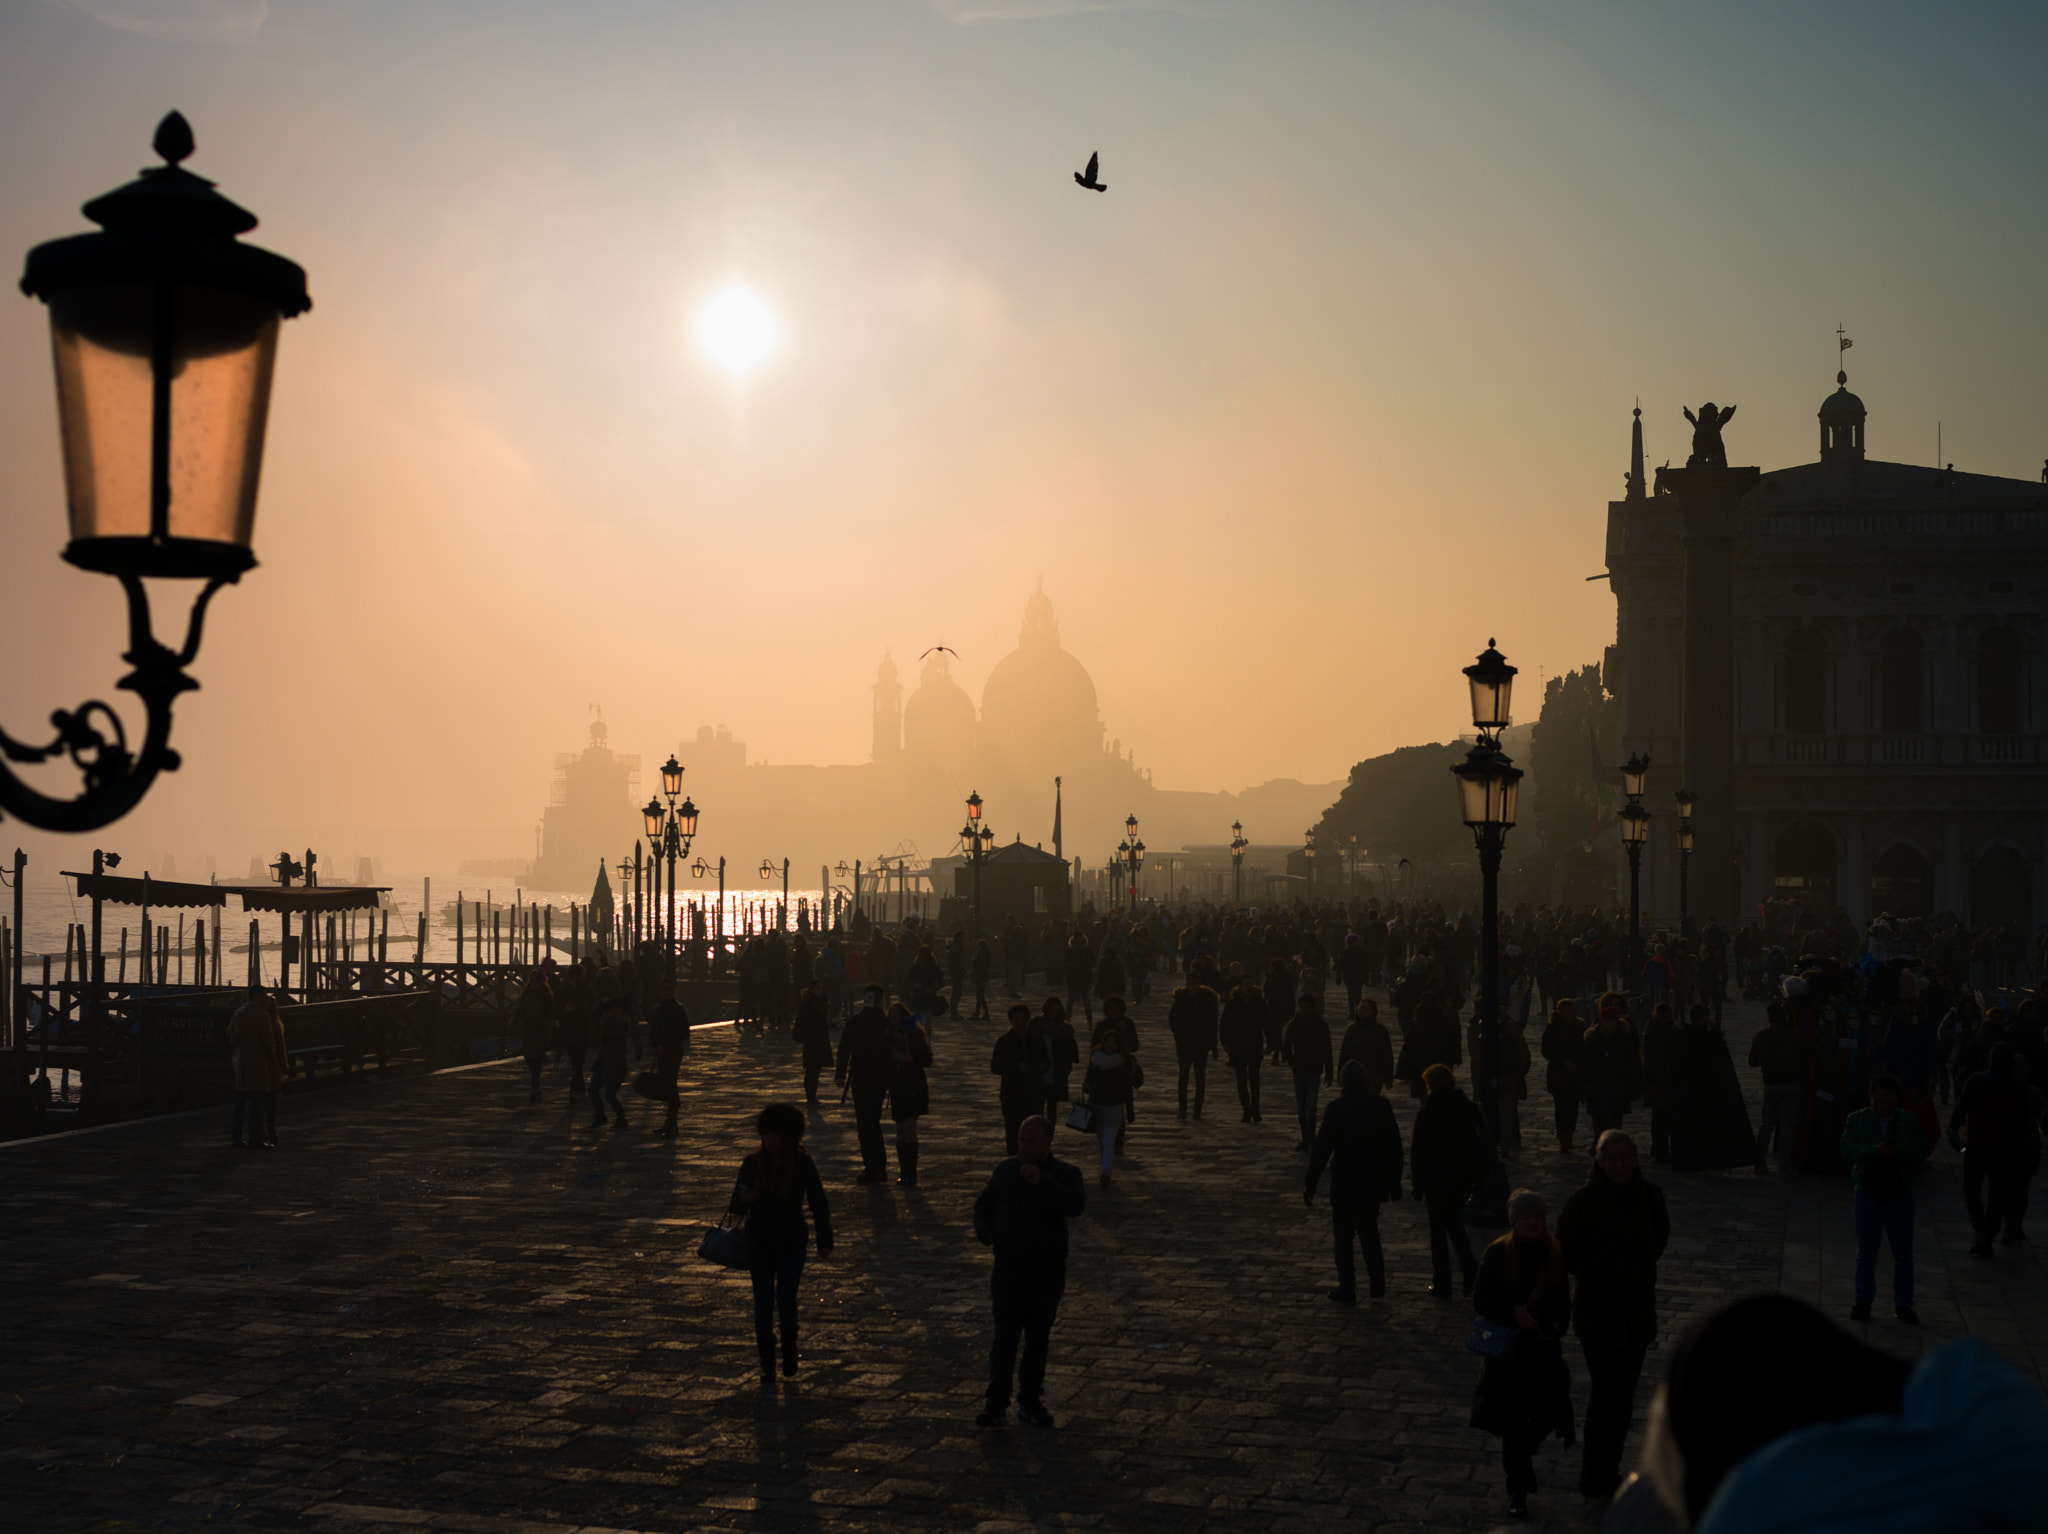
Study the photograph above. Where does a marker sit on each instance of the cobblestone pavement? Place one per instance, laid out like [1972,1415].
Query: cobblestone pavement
[438,1308]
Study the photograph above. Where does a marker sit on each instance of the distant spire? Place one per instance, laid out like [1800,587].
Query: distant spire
[1635,457]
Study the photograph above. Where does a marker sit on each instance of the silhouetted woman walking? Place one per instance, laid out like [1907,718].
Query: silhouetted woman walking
[1525,1394]
[910,1093]
[774,1185]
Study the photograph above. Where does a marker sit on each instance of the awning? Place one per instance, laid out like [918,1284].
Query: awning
[321,897]
[154,893]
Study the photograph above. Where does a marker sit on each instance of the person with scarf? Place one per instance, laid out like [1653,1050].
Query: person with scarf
[773,1186]
[1111,1079]
[1524,1395]
[1614,1229]
[1062,1054]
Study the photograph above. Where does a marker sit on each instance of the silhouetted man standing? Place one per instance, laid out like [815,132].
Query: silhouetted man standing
[1362,1145]
[1020,1059]
[867,1065]
[1193,1019]
[1023,1214]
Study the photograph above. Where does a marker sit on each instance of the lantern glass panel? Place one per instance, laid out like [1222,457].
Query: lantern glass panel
[221,349]
[1510,789]
[687,814]
[1635,826]
[653,817]
[1472,799]
[1684,838]
[1633,771]
[671,777]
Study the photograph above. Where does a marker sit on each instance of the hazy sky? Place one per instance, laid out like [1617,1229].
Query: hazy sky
[1330,386]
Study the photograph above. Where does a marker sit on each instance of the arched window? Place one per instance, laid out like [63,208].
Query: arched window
[1806,683]
[1998,682]
[1902,882]
[1806,865]
[1898,682]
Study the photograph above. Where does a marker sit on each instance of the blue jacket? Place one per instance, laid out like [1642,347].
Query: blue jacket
[1967,1453]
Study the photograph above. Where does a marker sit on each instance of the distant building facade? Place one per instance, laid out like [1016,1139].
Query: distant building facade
[590,815]
[1890,698]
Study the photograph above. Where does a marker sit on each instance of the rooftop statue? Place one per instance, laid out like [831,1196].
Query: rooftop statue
[1707,451]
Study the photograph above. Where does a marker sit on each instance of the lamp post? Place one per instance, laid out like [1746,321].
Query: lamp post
[670,830]
[1635,830]
[977,836]
[1308,851]
[1488,783]
[1237,846]
[1131,854]
[164,327]
[1686,799]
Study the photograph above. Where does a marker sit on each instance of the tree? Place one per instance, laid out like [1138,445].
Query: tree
[1402,805]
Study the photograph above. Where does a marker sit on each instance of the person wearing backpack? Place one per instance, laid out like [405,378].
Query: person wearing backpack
[1885,1149]
[1446,1161]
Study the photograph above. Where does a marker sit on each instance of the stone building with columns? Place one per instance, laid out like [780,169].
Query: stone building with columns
[1890,698]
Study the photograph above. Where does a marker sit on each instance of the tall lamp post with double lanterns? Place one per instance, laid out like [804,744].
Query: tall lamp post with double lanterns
[1130,854]
[1487,786]
[164,328]
[1686,800]
[670,830]
[1635,830]
[1237,846]
[976,837]
[1308,851]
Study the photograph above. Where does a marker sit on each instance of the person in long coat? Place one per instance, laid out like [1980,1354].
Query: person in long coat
[1563,1039]
[1614,1229]
[1525,1395]
[813,1030]
[1243,1032]
[536,1020]
[1611,1068]
[256,1034]
[910,1093]
[1710,1127]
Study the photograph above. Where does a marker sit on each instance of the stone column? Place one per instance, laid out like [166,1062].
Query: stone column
[1707,501]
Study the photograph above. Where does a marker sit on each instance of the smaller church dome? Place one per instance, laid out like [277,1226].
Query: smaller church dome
[938,721]
[1842,406]
[1841,425]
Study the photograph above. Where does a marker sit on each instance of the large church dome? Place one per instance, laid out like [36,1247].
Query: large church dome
[1039,703]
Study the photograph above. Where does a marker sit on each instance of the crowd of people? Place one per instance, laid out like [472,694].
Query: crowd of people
[1253,990]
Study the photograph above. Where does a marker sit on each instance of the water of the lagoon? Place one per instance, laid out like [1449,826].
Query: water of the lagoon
[50,904]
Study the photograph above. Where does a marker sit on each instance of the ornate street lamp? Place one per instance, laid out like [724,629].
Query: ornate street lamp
[1488,784]
[1237,846]
[1308,851]
[671,828]
[164,328]
[1633,773]
[1635,830]
[976,836]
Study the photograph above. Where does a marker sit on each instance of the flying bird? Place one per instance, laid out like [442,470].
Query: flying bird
[935,649]
[1087,177]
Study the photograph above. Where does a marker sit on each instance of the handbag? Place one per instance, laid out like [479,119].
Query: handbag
[647,1084]
[1085,1117]
[1489,1339]
[727,1244]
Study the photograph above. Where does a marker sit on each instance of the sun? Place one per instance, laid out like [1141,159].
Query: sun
[737,330]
